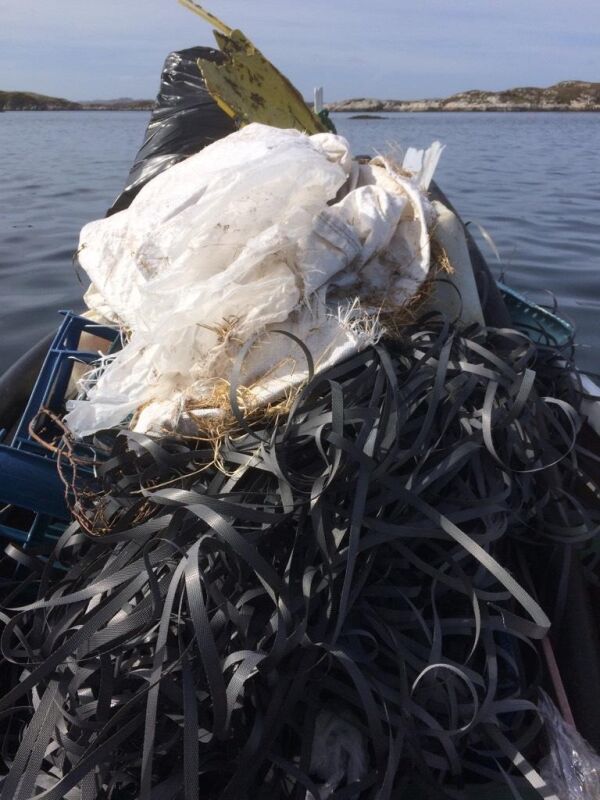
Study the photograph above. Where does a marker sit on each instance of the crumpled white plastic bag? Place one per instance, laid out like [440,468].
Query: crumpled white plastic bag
[243,237]
[339,752]
[571,768]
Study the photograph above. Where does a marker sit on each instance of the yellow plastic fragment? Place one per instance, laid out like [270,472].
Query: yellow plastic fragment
[247,86]
[210,18]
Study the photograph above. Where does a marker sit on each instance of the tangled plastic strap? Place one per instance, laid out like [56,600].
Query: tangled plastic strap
[355,557]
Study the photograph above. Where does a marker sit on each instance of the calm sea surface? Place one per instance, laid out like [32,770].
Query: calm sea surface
[532,180]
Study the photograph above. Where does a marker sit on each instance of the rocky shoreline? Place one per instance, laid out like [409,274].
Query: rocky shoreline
[30,101]
[564,96]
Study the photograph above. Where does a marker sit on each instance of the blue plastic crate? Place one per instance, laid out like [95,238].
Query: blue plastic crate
[29,529]
[32,495]
[541,325]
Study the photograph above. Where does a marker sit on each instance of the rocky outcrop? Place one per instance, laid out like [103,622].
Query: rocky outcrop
[564,96]
[30,101]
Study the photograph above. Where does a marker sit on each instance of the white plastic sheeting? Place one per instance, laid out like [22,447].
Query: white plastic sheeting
[265,229]
[339,752]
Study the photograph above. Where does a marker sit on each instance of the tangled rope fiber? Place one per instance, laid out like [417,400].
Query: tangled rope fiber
[356,557]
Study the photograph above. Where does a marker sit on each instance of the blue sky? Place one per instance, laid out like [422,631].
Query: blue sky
[84,49]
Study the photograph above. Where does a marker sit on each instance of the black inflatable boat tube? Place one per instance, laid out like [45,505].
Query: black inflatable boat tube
[17,382]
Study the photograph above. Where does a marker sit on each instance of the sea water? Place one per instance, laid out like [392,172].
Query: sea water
[532,180]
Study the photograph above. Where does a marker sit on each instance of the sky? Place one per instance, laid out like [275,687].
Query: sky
[100,49]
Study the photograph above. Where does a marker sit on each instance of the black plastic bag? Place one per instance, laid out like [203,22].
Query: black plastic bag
[184,120]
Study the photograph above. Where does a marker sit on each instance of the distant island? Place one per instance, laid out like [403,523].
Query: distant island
[30,101]
[564,96]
